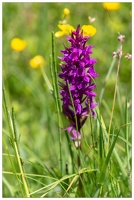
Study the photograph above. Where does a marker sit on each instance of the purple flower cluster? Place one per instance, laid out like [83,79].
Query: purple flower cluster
[77,85]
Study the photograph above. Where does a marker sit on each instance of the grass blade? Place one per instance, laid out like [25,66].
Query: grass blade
[105,165]
[57,98]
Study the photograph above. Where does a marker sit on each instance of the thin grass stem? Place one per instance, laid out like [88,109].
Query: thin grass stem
[114,99]
[79,145]
[71,152]
[52,77]
[55,72]
[106,79]
[12,164]
[126,135]
[7,113]
[57,99]
[11,137]
[16,148]
[46,79]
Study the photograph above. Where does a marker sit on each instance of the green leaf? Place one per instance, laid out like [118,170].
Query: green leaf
[106,162]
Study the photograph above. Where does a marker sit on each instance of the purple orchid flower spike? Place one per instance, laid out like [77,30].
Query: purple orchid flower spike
[77,83]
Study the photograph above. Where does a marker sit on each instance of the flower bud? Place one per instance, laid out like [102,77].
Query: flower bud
[66,11]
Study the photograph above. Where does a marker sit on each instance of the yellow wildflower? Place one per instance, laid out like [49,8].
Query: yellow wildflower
[88,30]
[59,34]
[37,61]
[66,11]
[111,6]
[17,44]
[66,29]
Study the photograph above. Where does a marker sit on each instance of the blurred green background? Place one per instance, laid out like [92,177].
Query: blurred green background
[25,88]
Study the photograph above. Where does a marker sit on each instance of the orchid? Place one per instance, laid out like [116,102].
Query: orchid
[78,76]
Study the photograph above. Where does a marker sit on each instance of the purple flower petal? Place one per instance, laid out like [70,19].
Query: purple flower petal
[77,70]
[75,135]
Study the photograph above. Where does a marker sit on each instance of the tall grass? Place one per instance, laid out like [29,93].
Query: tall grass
[39,159]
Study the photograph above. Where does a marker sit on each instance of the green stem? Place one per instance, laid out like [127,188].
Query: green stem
[80,186]
[46,79]
[79,145]
[16,148]
[55,72]
[7,113]
[114,99]
[126,135]
[12,163]
[71,152]
[52,77]
[106,79]
[56,93]
[13,135]
[75,116]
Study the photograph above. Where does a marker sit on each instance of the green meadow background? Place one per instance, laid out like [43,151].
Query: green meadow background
[34,106]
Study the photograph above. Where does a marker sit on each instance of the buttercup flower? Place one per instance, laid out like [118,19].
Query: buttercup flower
[17,44]
[66,29]
[37,61]
[88,30]
[77,83]
[66,11]
[111,6]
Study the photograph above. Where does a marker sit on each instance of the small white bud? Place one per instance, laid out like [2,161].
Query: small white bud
[128,56]
[91,19]
[121,37]
[114,55]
